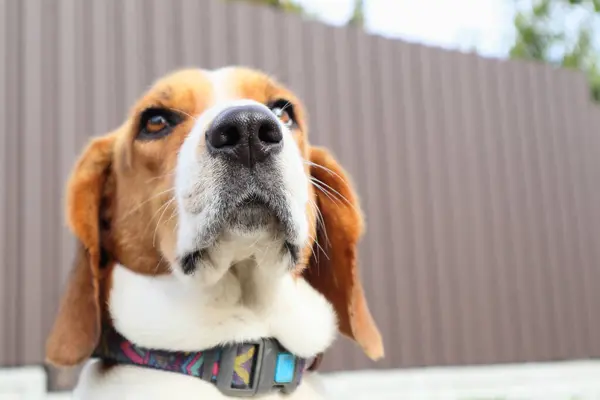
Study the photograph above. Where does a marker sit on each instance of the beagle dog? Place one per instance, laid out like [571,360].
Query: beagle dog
[216,248]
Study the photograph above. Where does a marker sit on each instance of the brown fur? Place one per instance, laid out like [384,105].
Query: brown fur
[118,203]
[77,327]
[333,269]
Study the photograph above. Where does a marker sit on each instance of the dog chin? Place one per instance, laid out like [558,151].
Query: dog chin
[252,218]
[247,225]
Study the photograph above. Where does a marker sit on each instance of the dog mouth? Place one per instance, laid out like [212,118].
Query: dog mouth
[244,211]
[189,262]
[254,201]
[252,213]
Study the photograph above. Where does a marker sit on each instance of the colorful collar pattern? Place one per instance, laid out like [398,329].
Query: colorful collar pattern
[238,370]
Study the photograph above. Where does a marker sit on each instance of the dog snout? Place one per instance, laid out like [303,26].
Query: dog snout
[246,134]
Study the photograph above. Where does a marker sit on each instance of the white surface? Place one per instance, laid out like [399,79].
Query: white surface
[555,381]
[23,384]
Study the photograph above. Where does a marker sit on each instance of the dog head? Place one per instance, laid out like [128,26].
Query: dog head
[207,158]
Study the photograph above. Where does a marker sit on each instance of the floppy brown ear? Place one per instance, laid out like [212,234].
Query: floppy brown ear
[76,330]
[333,269]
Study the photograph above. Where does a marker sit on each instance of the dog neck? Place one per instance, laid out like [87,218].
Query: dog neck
[164,312]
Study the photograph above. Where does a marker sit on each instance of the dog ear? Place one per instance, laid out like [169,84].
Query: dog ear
[76,330]
[333,269]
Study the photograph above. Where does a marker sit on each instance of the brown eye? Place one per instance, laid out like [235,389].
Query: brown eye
[156,124]
[284,116]
[284,110]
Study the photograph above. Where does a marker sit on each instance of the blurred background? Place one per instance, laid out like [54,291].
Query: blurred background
[471,128]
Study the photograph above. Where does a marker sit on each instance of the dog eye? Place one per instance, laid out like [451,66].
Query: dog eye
[284,110]
[156,123]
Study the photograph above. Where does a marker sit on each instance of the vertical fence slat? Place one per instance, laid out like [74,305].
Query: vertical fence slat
[496,189]
[135,70]
[471,241]
[586,151]
[590,114]
[220,45]
[51,174]
[270,42]
[31,163]
[393,232]
[290,29]
[118,104]
[323,131]
[193,22]
[546,207]
[558,230]
[67,126]
[460,339]
[12,171]
[438,197]
[449,175]
[419,205]
[515,214]
[244,32]
[429,133]
[529,219]
[571,137]
[484,268]
[5,272]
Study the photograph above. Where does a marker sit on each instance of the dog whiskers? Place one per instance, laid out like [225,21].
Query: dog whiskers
[162,257]
[316,241]
[165,207]
[263,253]
[326,170]
[161,176]
[161,208]
[326,192]
[253,245]
[183,112]
[320,220]
[139,206]
[286,105]
[341,196]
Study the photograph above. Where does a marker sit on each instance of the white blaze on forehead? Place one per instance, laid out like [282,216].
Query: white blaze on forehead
[225,94]
[223,84]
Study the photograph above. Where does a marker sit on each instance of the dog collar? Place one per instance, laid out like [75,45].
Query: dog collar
[238,370]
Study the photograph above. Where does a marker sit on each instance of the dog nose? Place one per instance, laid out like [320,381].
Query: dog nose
[246,134]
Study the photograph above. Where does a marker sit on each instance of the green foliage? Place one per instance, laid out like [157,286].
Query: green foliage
[358,15]
[542,34]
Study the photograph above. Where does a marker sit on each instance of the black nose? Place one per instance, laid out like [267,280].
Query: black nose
[245,134]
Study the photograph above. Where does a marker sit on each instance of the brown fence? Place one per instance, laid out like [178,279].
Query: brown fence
[480,178]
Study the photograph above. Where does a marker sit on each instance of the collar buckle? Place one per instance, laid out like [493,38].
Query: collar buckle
[274,368]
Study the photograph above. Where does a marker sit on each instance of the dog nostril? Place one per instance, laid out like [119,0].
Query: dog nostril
[267,133]
[220,138]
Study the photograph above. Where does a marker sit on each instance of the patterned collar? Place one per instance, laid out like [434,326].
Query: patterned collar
[238,370]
